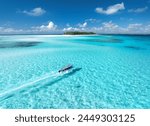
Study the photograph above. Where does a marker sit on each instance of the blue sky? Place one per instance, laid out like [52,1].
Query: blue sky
[57,16]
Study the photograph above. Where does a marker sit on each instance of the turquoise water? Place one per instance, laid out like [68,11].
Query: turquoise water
[110,71]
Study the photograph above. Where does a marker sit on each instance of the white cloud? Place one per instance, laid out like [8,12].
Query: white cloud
[113,28]
[138,10]
[133,26]
[35,12]
[83,25]
[147,29]
[49,28]
[111,9]
[9,30]
[43,28]
[137,28]
[109,25]
[105,27]
[79,27]
[68,25]
[92,20]
[71,29]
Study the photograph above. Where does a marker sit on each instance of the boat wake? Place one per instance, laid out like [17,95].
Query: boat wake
[47,77]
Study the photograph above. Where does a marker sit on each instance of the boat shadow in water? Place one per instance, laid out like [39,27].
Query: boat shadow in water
[36,88]
[64,76]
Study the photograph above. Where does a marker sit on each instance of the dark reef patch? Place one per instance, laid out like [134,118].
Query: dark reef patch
[113,40]
[133,47]
[78,86]
[18,44]
[26,44]
[109,40]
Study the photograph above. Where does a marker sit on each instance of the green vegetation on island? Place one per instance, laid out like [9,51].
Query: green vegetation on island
[78,33]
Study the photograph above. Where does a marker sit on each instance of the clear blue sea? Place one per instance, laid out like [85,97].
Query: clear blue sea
[109,71]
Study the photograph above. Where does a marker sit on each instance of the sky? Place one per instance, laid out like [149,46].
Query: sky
[58,16]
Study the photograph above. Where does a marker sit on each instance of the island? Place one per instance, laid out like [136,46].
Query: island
[78,33]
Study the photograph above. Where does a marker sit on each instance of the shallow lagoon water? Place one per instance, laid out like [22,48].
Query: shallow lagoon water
[110,71]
